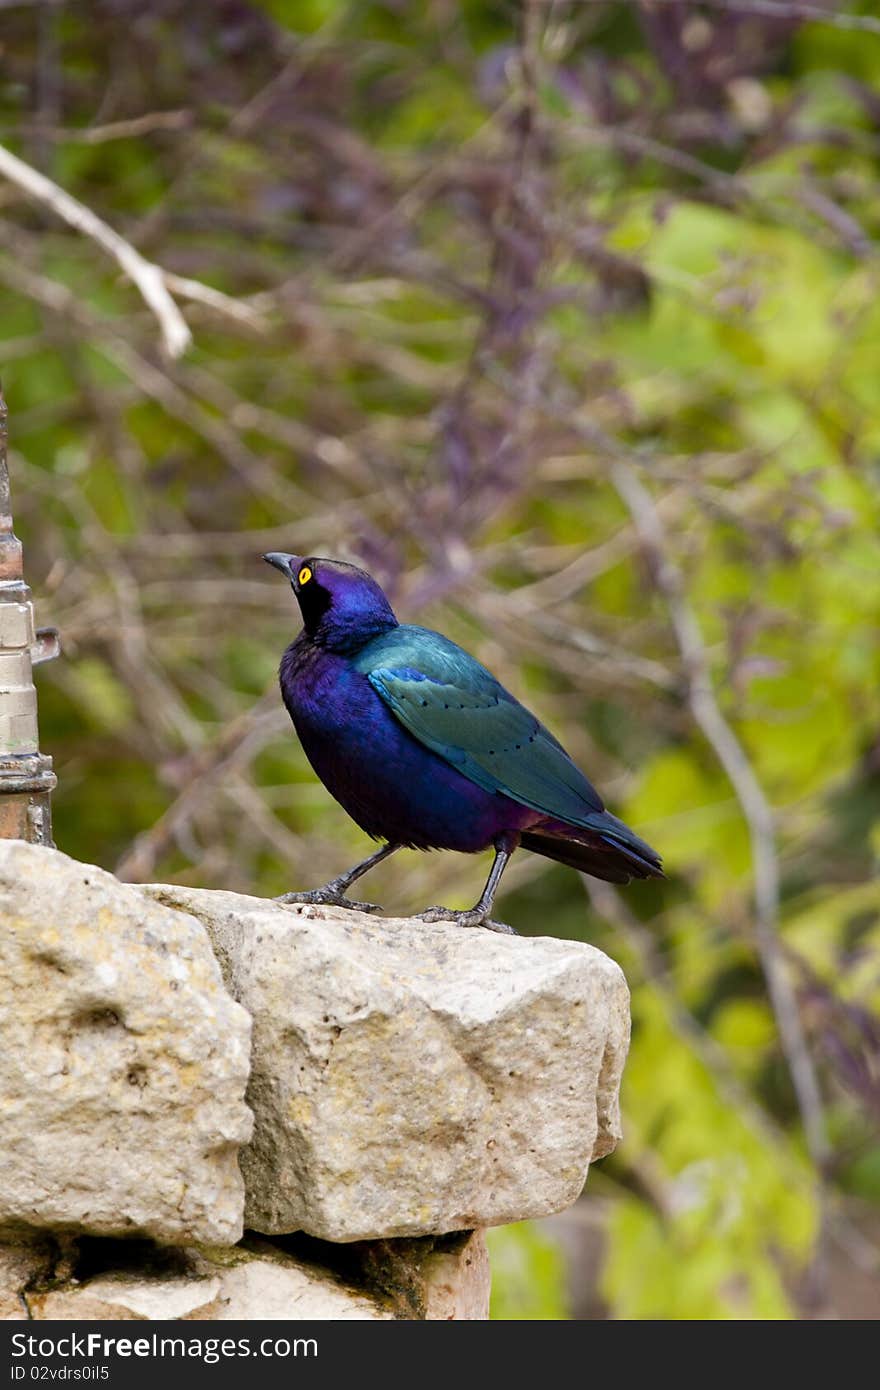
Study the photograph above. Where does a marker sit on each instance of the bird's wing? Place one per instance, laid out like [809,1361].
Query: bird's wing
[457,708]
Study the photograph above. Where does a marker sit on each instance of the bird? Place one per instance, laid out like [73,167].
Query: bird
[425,749]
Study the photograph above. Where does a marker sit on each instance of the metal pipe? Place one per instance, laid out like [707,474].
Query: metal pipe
[26,776]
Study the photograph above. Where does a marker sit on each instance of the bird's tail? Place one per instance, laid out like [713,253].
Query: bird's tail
[605,848]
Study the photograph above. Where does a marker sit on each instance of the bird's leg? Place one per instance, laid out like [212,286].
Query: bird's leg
[478,916]
[333,893]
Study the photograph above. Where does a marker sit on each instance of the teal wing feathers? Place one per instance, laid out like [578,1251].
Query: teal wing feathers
[457,708]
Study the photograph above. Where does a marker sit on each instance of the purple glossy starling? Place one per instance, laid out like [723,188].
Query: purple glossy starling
[425,749]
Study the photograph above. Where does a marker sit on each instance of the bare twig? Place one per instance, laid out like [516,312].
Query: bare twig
[756,809]
[784,9]
[767,194]
[215,299]
[157,384]
[132,129]
[148,278]
[237,743]
[609,904]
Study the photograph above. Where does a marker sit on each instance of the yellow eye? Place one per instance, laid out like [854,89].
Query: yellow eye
[305,575]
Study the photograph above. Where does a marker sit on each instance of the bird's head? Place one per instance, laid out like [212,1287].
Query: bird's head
[341,606]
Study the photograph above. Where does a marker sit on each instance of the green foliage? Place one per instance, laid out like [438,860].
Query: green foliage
[731,1194]
[528,1274]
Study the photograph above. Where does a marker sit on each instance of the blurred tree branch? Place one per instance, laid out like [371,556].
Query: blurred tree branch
[149,279]
[756,809]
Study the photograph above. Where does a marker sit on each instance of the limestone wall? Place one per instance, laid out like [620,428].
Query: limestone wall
[361,1096]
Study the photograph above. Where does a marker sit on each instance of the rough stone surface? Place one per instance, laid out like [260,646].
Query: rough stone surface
[123,1060]
[442,1278]
[125,1297]
[410,1078]
[458,1282]
[433,1278]
[261,1289]
[248,1285]
[20,1266]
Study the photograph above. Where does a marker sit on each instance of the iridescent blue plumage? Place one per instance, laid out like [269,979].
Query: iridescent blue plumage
[424,747]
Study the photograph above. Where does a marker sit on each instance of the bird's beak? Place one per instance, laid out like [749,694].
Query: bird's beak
[287,564]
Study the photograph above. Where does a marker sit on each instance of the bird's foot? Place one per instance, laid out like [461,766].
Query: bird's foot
[327,897]
[472,917]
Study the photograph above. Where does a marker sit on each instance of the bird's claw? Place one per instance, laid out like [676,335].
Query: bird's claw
[472,917]
[321,897]
[504,928]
